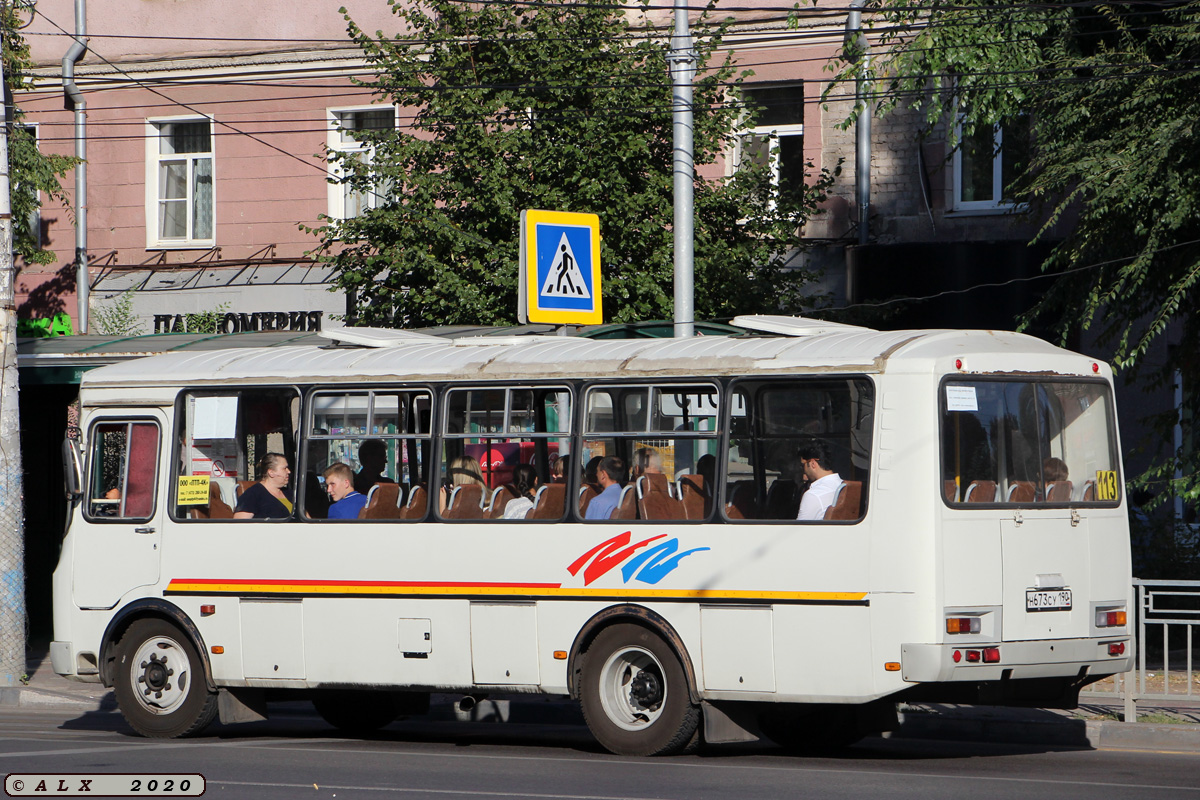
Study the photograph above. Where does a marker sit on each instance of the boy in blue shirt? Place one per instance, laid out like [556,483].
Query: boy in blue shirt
[345,501]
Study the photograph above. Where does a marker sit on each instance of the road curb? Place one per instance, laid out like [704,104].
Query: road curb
[27,697]
[1064,732]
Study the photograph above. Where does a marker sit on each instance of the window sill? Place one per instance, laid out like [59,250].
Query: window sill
[991,211]
[196,245]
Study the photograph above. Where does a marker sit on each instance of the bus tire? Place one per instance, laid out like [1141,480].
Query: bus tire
[159,681]
[634,694]
[361,711]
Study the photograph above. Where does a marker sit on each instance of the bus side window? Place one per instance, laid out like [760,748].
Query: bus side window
[124,470]
[382,436]
[222,436]
[506,453]
[770,420]
[668,437]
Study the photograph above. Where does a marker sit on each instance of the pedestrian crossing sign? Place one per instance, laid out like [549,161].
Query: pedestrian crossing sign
[560,268]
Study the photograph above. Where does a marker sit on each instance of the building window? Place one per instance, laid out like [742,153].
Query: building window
[33,220]
[180,163]
[347,200]
[777,135]
[987,162]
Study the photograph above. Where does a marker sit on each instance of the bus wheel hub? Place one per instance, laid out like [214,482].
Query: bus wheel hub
[645,689]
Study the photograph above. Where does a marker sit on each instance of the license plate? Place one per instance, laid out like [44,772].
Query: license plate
[1048,600]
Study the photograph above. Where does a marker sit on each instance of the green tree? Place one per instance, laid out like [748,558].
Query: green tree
[1112,94]
[555,106]
[31,172]
[118,318]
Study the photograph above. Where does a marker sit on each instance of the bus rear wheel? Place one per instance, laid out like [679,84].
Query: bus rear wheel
[159,682]
[634,694]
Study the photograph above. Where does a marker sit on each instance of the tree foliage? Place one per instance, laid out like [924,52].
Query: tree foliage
[31,172]
[1113,95]
[553,106]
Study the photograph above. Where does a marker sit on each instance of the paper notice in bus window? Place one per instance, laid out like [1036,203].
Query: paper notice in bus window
[961,398]
[1106,484]
[192,490]
[215,418]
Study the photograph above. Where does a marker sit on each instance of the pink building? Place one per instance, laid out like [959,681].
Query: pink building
[205,126]
[206,120]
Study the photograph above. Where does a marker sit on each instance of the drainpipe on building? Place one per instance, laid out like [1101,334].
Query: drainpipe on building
[855,44]
[78,48]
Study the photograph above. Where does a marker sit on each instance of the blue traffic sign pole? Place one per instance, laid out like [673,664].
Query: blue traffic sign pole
[683,72]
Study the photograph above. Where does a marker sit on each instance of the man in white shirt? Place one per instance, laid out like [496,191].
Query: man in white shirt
[816,458]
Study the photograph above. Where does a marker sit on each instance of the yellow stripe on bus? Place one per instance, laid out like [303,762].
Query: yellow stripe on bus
[300,587]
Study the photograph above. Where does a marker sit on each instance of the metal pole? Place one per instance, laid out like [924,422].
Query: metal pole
[862,151]
[76,51]
[683,72]
[12,511]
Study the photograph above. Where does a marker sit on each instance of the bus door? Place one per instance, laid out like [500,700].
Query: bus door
[118,542]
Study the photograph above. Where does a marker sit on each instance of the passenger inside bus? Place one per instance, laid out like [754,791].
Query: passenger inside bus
[646,461]
[372,455]
[1057,478]
[346,502]
[817,458]
[590,471]
[525,482]
[268,498]
[611,476]
[463,471]
[560,470]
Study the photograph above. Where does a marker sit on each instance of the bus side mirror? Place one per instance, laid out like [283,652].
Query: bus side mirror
[72,468]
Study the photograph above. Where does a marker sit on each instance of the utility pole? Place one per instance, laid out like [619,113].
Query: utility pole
[856,46]
[683,72]
[12,490]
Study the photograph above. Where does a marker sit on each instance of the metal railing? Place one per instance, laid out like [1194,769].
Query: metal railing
[1165,669]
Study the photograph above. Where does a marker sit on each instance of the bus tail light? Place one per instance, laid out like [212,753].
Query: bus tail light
[1116,648]
[991,655]
[973,656]
[962,625]
[1110,619]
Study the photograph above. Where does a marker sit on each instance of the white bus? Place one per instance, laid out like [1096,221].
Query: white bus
[977,549]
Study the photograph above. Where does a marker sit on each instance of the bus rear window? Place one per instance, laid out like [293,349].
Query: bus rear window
[1028,442]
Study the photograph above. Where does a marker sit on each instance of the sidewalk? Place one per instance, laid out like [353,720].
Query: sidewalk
[1173,727]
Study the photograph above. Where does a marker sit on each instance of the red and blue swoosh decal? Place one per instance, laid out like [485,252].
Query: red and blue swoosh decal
[649,566]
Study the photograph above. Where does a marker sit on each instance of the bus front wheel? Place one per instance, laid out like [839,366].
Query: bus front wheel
[634,695]
[159,682]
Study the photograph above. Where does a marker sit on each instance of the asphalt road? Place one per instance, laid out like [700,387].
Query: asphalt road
[299,756]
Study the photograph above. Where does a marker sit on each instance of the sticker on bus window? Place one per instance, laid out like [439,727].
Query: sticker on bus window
[1106,484]
[192,490]
[961,398]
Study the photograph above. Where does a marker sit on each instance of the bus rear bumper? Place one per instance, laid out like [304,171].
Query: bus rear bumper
[1043,658]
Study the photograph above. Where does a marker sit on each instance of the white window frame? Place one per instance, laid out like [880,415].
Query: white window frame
[773,133]
[336,190]
[153,159]
[996,204]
